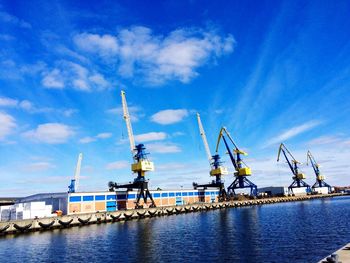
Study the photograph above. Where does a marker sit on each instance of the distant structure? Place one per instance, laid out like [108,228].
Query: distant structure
[298,178]
[140,166]
[74,184]
[320,183]
[217,170]
[242,170]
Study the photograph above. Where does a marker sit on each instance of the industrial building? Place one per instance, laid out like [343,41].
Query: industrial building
[284,191]
[45,205]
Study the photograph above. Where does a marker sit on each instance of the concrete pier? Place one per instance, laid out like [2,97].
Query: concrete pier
[340,256]
[66,221]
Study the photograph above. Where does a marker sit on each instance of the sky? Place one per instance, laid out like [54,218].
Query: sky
[269,71]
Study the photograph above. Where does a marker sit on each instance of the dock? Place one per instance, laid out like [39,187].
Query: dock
[342,255]
[83,219]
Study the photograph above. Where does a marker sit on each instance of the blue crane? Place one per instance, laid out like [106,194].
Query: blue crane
[298,178]
[319,177]
[140,166]
[241,169]
[217,170]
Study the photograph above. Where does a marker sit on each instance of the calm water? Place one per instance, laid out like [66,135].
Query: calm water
[290,232]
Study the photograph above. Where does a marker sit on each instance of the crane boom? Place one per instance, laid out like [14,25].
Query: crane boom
[77,171]
[204,138]
[126,117]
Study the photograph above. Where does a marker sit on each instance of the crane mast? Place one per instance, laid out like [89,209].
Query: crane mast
[204,138]
[298,178]
[215,164]
[126,117]
[140,164]
[74,184]
[241,169]
[319,177]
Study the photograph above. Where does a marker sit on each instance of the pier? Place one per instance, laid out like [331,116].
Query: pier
[342,255]
[66,221]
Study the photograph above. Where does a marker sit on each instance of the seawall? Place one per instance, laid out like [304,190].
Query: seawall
[66,221]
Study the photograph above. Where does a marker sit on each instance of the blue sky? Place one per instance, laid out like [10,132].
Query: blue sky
[270,71]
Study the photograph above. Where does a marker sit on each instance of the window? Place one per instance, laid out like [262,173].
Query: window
[74,198]
[88,198]
[111,197]
[100,197]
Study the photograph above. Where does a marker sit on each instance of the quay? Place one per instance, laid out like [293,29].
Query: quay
[66,221]
[342,255]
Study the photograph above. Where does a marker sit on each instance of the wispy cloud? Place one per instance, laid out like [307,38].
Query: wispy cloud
[292,132]
[169,116]
[89,139]
[11,19]
[38,167]
[158,58]
[151,136]
[51,133]
[7,125]
[29,107]
[67,74]
[8,102]
[163,148]
[135,112]
[117,165]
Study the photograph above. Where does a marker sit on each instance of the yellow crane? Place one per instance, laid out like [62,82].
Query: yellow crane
[216,169]
[140,164]
[241,169]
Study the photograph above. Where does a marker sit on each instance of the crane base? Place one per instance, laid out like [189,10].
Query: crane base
[242,182]
[142,191]
[321,183]
[222,192]
[297,183]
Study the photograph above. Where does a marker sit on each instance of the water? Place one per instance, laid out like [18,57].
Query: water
[287,232]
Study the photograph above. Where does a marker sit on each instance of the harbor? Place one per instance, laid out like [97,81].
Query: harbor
[84,219]
[174,131]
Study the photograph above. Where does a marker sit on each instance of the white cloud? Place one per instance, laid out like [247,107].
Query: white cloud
[117,165]
[38,167]
[73,75]
[53,80]
[104,45]
[150,136]
[325,140]
[292,132]
[88,139]
[104,135]
[51,133]
[8,102]
[169,116]
[158,58]
[163,148]
[7,124]
[26,105]
[69,112]
[134,111]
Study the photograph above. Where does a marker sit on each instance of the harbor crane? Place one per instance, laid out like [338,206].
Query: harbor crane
[298,178]
[241,169]
[140,166]
[217,170]
[74,183]
[319,177]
